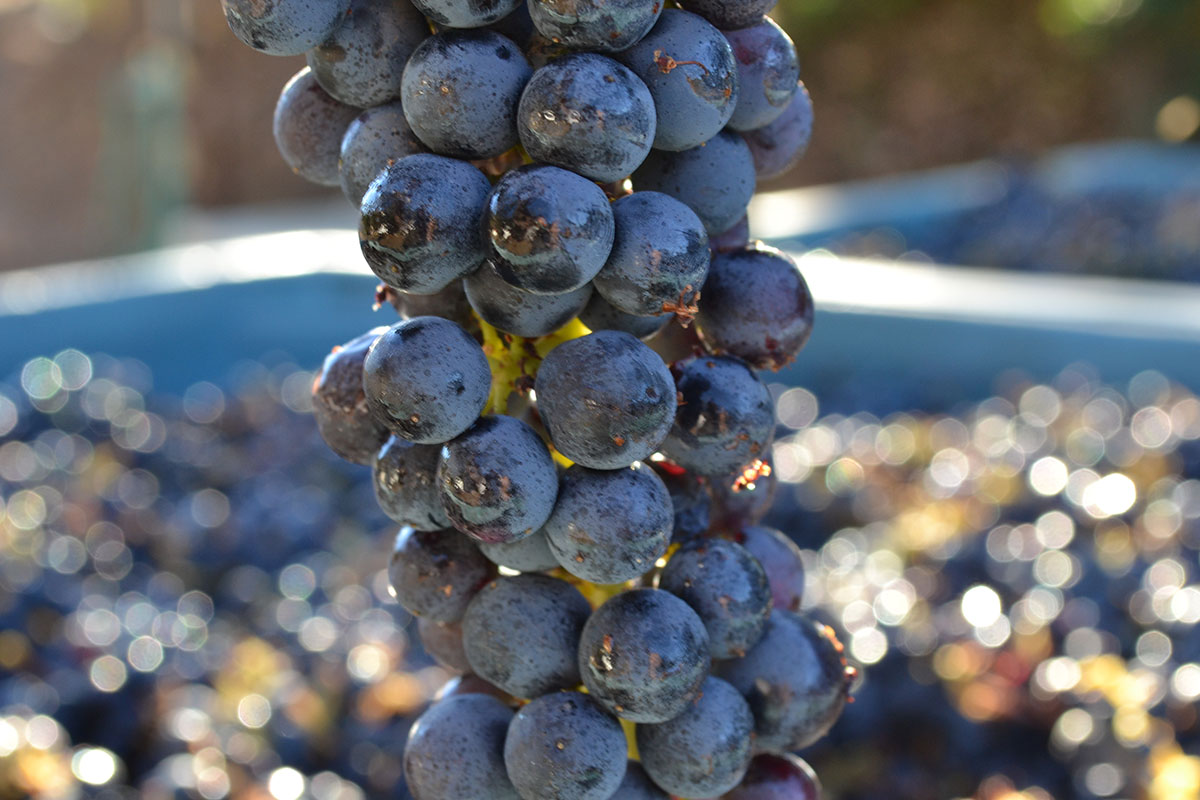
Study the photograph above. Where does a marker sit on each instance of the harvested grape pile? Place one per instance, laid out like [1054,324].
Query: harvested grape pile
[542,186]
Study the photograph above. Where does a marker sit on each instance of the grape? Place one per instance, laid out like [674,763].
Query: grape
[768,73]
[727,588]
[563,746]
[659,258]
[362,61]
[643,655]
[794,679]
[309,125]
[498,480]
[517,26]
[637,785]
[405,479]
[730,15]
[461,90]
[606,399]
[777,777]
[689,499]
[756,306]
[601,315]
[725,419]
[779,145]
[515,311]
[780,558]
[286,27]
[466,13]
[449,303]
[551,230]
[375,139]
[471,684]
[531,554]
[444,641]
[521,633]
[436,573]
[735,237]
[607,26]
[420,222]
[456,750]
[688,67]
[587,113]
[705,750]
[426,379]
[745,499]
[340,406]
[610,526]
[716,179]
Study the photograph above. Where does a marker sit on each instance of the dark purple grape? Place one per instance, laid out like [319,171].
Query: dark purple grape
[461,90]
[563,746]
[450,303]
[309,125]
[444,641]
[755,305]
[531,554]
[405,480]
[689,499]
[636,785]
[420,222]
[688,67]
[515,311]
[601,315]
[730,15]
[472,684]
[610,526]
[498,480]
[716,179]
[340,406]
[606,399]
[517,26]
[606,26]
[426,379]
[456,750]
[768,73]
[735,238]
[727,588]
[725,419]
[285,28]
[659,258]
[375,139]
[795,680]
[466,13]
[551,230]
[777,777]
[744,499]
[521,633]
[589,114]
[705,750]
[643,655]
[780,558]
[779,145]
[436,573]
[362,61]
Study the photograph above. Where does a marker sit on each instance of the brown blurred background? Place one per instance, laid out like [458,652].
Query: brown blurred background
[120,115]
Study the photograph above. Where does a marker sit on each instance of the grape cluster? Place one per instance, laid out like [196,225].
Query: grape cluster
[551,193]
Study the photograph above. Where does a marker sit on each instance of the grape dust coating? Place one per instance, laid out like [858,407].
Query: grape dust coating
[604,25]
[725,419]
[426,379]
[516,311]
[405,479]
[498,480]
[308,126]
[689,68]
[756,306]
[551,230]
[730,15]
[374,139]
[564,746]
[466,13]
[340,405]
[768,73]
[456,749]
[284,29]
[610,526]
[780,558]
[778,146]
[361,62]
[606,399]
[777,777]
[420,222]
[587,113]
[601,315]
[643,655]
[436,573]
[716,179]
[461,90]
[659,258]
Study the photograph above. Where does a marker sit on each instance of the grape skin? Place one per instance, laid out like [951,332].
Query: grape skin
[768,73]
[444,642]
[746,505]
[779,145]
[340,405]
[521,313]
[466,13]
[309,126]
[606,26]
[716,179]
[730,15]
[405,479]
[689,500]
[531,554]
[374,139]
[435,574]
[285,28]
[637,785]
[601,315]
[780,558]
[777,777]
[456,750]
